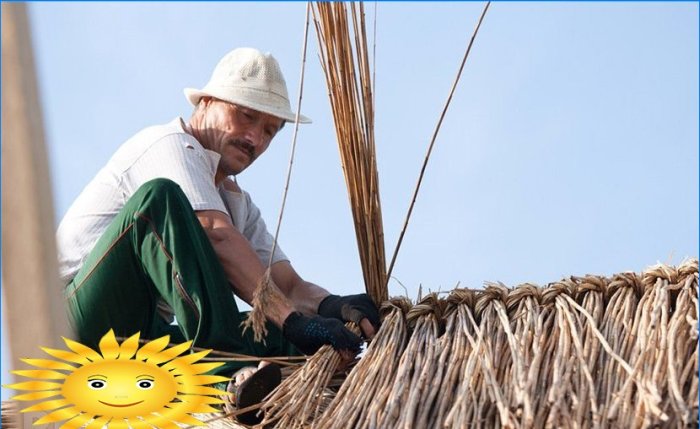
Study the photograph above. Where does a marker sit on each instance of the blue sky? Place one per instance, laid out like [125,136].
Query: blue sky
[570,147]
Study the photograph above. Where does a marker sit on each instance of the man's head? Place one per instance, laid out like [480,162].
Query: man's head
[241,108]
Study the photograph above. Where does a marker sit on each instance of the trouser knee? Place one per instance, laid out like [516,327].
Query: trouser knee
[163,194]
[160,188]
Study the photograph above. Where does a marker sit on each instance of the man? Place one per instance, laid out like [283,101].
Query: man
[163,230]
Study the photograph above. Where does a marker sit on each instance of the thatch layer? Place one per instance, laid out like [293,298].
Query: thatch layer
[584,352]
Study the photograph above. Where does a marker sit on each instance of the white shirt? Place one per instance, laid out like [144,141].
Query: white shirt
[162,151]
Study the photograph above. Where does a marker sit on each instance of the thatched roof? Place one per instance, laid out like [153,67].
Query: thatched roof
[591,351]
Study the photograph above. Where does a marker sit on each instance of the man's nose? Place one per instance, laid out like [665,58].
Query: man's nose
[255,136]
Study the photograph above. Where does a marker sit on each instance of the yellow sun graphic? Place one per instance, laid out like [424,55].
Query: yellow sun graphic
[122,386]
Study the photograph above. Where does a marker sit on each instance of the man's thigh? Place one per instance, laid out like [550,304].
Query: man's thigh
[111,290]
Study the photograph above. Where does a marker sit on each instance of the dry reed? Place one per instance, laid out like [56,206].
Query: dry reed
[583,352]
[416,366]
[453,360]
[366,390]
[345,63]
[302,396]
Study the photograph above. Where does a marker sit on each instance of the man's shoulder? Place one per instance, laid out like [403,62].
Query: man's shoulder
[163,136]
[155,133]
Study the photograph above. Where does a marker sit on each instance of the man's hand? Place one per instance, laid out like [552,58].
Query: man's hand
[352,308]
[308,334]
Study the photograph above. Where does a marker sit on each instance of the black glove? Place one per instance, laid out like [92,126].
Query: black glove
[351,308]
[310,333]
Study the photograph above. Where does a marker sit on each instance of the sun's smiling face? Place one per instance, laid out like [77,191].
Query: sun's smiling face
[126,388]
[122,385]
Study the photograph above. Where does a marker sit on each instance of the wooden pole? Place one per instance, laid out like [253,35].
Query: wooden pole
[34,306]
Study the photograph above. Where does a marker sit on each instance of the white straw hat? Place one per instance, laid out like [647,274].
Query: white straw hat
[247,77]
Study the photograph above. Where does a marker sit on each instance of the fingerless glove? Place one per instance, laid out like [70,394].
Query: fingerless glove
[308,334]
[351,308]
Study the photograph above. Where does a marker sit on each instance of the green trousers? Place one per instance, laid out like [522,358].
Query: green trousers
[156,248]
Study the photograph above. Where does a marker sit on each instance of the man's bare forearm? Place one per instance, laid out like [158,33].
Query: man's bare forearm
[242,266]
[305,296]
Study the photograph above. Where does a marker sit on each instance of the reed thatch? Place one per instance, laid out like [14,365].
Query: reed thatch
[583,352]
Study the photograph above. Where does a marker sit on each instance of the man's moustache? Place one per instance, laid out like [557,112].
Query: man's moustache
[244,146]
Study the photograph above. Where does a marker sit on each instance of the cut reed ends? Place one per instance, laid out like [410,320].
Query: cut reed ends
[581,352]
[302,397]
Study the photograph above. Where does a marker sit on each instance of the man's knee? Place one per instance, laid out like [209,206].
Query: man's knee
[160,186]
[161,192]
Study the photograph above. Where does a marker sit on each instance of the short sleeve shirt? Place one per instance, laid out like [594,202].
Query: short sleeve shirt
[163,151]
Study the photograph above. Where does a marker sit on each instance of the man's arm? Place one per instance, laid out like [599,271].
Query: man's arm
[289,292]
[241,264]
[307,296]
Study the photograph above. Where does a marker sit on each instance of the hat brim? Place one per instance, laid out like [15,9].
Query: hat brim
[194,95]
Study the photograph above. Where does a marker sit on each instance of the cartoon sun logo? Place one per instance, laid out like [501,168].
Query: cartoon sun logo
[122,386]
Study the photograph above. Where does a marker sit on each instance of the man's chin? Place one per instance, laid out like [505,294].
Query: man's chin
[238,169]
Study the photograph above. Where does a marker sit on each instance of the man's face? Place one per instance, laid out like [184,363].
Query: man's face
[239,134]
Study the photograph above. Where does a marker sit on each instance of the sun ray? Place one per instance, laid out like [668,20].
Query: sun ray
[201,368]
[128,348]
[170,353]
[97,423]
[35,396]
[118,424]
[139,424]
[185,360]
[200,399]
[43,374]
[58,415]
[199,390]
[193,407]
[76,422]
[183,418]
[34,385]
[199,380]
[161,422]
[66,355]
[195,369]
[152,348]
[47,405]
[82,350]
[48,364]
[109,347]
[121,385]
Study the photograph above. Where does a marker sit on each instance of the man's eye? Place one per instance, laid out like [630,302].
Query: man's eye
[246,113]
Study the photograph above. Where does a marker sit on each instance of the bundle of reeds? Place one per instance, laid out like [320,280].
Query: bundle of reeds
[361,400]
[302,396]
[345,62]
[416,367]
[583,352]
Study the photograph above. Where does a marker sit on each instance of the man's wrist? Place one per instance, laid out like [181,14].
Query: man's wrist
[327,306]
